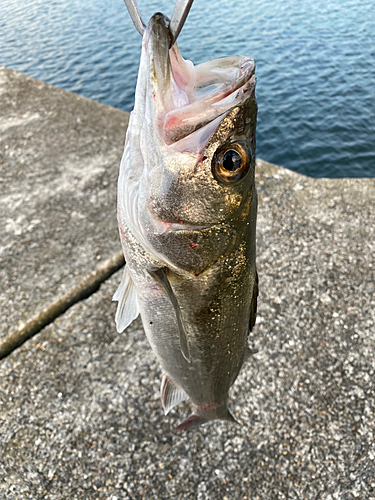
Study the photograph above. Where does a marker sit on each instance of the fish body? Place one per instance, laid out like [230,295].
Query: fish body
[187,208]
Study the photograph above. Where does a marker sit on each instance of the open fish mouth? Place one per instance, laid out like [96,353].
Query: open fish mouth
[219,86]
[190,98]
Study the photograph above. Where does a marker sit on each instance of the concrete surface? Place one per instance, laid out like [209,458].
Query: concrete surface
[59,157]
[80,415]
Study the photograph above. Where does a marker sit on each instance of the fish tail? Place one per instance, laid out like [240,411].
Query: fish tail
[199,417]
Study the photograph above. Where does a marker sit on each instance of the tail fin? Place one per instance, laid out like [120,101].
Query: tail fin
[199,417]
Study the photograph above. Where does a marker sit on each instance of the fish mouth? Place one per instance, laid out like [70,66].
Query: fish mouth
[220,85]
[191,100]
[161,227]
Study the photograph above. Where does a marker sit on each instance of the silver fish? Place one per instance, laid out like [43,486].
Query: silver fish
[187,208]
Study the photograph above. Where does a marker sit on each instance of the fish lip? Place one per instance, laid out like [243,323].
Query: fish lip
[161,227]
[186,228]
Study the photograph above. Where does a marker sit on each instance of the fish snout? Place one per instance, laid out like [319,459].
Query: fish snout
[158,30]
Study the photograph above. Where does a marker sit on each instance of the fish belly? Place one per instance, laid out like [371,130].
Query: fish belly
[215,311]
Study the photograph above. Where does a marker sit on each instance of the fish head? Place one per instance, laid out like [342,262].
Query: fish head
[186,187]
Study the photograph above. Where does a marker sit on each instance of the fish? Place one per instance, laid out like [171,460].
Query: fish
[187,208]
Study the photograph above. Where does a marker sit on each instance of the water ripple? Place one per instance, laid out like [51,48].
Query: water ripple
[315,65]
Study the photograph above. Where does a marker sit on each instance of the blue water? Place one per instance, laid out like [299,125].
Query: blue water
[315,65]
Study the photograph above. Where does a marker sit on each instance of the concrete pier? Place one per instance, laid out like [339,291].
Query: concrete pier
[59,159]
[80,415]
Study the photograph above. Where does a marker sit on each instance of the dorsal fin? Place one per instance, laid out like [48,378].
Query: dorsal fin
[127,309]
[161,277]
[171,394]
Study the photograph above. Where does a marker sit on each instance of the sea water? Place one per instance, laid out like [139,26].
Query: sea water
[315,65]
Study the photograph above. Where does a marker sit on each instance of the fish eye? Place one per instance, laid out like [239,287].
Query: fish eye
[231,163]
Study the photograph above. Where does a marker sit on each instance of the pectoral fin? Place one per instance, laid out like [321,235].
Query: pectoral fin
[171,394]
[161,277]
[253,314]
[253,306]
[127,309]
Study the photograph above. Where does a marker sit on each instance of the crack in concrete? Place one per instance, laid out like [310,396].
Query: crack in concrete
[82,291]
